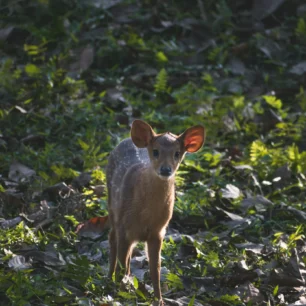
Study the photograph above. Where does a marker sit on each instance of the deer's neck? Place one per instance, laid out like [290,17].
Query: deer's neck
[159,189]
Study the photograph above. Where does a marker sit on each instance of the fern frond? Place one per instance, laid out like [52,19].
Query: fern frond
[161,82]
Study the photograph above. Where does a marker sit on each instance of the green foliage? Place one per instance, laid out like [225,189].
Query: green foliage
[212,259]
[73,77]
[297,159]
[275,290]
[296,235]
[98,176]
[20,234]
[92,154]
[32,70]
[24,286]
[174,281]
[213,159]
[191,302]
[8,76]
[231,299]
[261,155]
[301,28]
[258,150]
[301,96]
[209,83]
[161,57]
[215,55]
[161,85]
[72,219]
[273,101]
[64,173]
[134,40]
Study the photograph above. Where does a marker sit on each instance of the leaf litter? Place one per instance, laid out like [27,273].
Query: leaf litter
[237,235]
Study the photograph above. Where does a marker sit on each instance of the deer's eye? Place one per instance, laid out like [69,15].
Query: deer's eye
[176,155]
[155,153]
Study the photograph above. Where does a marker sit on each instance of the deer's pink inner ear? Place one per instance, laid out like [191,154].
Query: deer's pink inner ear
[194,139]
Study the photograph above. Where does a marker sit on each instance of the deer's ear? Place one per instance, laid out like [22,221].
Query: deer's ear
[141,133]
[193,138]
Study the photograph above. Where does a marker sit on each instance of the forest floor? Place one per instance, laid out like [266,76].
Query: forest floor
[75,74]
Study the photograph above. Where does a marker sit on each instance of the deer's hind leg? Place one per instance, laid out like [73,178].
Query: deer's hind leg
[112,252]
[124,247]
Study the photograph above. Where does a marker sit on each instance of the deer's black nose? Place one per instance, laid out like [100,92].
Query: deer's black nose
[165,171]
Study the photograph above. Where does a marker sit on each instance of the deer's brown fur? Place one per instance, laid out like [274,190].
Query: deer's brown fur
[140,180]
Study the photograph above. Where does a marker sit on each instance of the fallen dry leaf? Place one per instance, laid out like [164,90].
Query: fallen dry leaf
[263,8]
[94,225]
[19,172]
[249,293]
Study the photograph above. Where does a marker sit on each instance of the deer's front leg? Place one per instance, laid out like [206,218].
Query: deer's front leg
[154,249]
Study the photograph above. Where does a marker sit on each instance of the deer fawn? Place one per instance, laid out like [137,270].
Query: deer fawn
[140,182]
